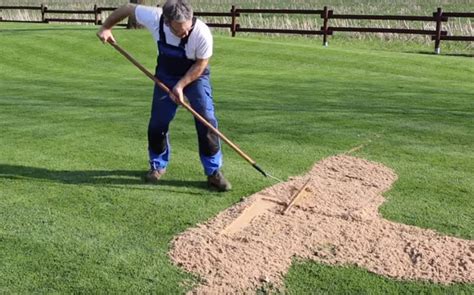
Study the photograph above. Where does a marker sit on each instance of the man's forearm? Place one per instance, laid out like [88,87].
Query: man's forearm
[119,14]
[194,72]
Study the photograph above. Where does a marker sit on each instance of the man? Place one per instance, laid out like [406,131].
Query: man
[185,47]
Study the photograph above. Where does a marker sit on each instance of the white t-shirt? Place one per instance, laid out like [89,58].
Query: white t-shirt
[199,43]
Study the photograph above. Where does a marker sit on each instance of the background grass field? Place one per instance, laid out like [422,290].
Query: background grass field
[455,26]
[76,217]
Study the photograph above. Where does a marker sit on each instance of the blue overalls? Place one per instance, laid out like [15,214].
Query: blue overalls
[172,66]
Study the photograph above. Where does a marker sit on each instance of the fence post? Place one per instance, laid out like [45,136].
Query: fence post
[132,21]
[325,26]
[233,28]
[96,15]
[438,17]
[43,10]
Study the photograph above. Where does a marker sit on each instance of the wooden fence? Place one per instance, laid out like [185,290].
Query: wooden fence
[438,17]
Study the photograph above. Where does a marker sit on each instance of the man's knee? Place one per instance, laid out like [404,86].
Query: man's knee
[157,137]
[210,146]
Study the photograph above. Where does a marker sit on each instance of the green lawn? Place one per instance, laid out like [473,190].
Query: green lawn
[76,217]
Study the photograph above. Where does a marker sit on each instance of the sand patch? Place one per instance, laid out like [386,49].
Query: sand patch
[336,221]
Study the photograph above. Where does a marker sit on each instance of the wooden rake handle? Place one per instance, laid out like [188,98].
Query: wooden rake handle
[189,108]
[295,197]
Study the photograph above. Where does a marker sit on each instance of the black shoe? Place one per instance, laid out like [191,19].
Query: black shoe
[153,176]
[217,181]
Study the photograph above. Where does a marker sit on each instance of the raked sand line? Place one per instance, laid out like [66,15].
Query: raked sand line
[336,222]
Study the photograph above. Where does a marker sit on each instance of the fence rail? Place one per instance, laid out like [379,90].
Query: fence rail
[282,11]
[438,17]
[21,7]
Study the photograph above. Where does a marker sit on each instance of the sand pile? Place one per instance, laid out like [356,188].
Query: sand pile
[336,221]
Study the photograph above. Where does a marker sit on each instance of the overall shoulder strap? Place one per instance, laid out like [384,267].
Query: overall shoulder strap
[162,32]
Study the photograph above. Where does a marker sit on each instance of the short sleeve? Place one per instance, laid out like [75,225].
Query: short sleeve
[204,44]
[148,16]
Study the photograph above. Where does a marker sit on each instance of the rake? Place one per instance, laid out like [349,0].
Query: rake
[195,114]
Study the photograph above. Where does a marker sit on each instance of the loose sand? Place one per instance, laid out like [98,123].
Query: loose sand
[336,221]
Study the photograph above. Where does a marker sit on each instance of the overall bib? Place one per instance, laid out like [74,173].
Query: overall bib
[172,66]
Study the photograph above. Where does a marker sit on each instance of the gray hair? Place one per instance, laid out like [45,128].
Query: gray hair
[177,10]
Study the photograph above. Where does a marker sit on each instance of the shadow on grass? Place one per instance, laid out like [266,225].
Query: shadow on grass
[42,28]
[93,177]
[443,54]
[30,30]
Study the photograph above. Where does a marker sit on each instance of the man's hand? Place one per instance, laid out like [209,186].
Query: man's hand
[119,14]
[178,96]
[105,35]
